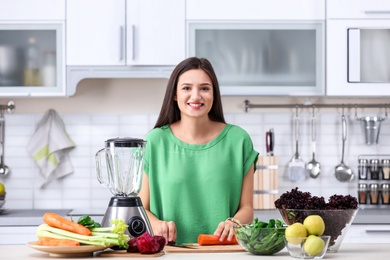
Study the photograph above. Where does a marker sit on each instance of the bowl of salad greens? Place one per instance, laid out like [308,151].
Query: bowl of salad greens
[261,238]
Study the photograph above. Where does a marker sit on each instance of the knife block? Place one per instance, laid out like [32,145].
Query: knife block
[266,183]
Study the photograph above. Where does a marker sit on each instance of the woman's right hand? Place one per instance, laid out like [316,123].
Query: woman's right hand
[167,229]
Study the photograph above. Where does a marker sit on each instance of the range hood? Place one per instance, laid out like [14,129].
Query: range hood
[74,74]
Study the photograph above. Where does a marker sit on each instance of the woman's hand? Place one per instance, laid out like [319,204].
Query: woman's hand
[225,230]
[167,229]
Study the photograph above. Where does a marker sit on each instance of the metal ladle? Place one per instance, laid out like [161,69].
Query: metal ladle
[4,169]
[313,167]
[342,172]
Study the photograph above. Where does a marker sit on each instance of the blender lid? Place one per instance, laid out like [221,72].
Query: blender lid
[125,142]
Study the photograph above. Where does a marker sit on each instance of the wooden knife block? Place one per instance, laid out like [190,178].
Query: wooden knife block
[266,183]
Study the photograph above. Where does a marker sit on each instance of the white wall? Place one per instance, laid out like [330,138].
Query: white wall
[104,108]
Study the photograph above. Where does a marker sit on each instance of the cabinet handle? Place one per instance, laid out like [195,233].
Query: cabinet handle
[377,12]
[121,43]
[377,231]
[133,42]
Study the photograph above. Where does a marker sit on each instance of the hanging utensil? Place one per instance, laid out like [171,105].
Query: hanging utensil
[270,142]
[296,166]
[313,167]
[342,172]
[4,170]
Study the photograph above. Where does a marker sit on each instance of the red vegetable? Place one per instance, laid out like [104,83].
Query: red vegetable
[133,246]
[147,244]
[161,241]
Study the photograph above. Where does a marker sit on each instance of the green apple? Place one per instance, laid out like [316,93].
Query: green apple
[313,245]
[315,225]
[2,189]
[296,233]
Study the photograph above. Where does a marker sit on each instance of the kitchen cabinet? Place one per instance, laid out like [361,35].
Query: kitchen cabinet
[256,48]
[368,234]
[155,32]
[32,48]
[358,59]
[120,32]
[123,39]
[255,10]
[95,32]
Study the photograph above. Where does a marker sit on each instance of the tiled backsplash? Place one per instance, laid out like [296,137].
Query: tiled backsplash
[89,131]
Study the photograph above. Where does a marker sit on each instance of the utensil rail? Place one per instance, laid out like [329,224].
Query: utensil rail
[248,105]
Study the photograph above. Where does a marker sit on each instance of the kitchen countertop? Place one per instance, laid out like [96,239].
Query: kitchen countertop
[346,251]
[26,217]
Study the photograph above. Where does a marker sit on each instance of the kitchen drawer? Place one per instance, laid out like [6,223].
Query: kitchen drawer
[358,9]
[12,235]
[368,234]
[255,10]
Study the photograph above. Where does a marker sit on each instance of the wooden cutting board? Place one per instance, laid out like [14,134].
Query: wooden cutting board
[204,249]
[123,253]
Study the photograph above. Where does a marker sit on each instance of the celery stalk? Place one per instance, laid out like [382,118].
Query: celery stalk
[104,237]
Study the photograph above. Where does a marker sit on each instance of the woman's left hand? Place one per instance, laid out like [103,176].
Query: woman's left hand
[225,230]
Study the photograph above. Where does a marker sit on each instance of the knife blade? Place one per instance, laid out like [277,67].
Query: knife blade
[184,245]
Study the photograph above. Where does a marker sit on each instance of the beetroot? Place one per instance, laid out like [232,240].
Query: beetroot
[133,246]
[161,241]
[147,244]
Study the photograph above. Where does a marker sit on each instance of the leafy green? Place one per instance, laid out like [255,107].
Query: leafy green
[88,222]
[262,238]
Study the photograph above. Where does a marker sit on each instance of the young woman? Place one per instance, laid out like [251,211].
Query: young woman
[198,169]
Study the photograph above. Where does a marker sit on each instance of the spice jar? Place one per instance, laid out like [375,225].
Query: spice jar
[362,192]
[363,169]
[385,193]
[374,169]
[386,169]
[374,193]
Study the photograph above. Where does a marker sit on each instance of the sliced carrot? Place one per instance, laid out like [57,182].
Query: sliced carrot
[57,221]
[205,239]
[49,241]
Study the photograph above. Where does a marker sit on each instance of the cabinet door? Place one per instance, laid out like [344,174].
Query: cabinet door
[155,32]
[255,10]
[95,32]
[28,10]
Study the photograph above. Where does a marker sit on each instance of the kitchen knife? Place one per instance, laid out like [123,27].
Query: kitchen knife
[270,141]
[184,245]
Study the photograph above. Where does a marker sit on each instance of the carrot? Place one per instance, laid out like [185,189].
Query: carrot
[57,221]
[205,239]
[49,241]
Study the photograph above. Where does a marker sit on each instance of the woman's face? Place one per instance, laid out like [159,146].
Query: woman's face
[194,93]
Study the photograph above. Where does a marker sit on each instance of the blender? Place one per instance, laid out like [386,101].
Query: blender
[123,177]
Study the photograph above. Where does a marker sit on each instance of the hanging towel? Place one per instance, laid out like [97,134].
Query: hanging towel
[50,146]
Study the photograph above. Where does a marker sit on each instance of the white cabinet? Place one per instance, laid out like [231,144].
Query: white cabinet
[259,48]
[358,57]
[120,32]
[95,32]
[368,233]
[32,48]
[155,32]
[255,10]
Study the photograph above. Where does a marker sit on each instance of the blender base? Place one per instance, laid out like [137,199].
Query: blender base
[130,210]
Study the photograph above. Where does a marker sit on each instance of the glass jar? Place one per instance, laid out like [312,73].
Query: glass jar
[386,169]
[385,187]
[374,169]
[362,192]
[363,169]
[374,193]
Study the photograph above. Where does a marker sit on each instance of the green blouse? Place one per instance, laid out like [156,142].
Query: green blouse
[197,186]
